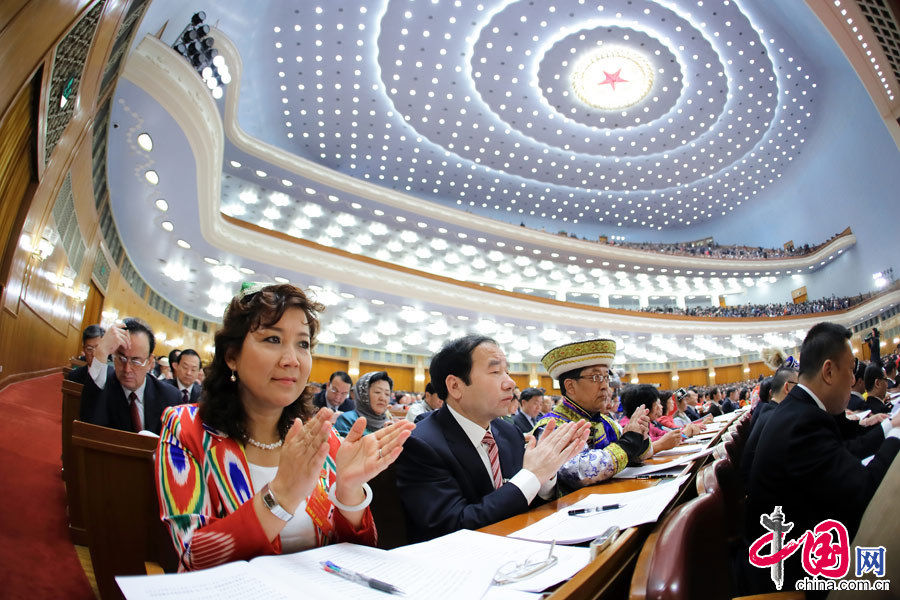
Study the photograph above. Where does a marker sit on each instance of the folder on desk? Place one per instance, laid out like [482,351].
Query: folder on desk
[636,508]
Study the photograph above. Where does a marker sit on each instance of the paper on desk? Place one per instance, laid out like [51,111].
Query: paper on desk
[862,414]
[231,580]
[474,550]
[705,436]
[637,507]
[415,578]
[506,593]
[629,472]
[682,449]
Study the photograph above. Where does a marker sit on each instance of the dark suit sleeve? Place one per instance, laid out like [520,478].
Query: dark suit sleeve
[434,500]
[832,470]
[94,401]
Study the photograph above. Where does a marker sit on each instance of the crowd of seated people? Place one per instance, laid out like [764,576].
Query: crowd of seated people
[249,463]
[764,310]
[714,250]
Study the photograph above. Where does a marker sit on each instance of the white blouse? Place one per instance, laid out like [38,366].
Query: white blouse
[299,533]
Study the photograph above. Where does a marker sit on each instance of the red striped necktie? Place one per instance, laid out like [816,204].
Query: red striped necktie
[135,413]
[494,457]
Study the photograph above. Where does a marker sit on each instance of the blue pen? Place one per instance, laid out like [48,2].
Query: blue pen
[359,578]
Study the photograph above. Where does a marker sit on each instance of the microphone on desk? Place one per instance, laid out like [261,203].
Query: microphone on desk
[584,511]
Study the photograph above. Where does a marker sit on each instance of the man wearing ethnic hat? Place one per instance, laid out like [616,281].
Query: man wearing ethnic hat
[582,369]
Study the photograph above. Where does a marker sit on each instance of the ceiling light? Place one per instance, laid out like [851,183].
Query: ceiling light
[176,271]
[280,279]
[167,225]
[248,197]
[152,177]
[184,244]
[226,273]
[162,205]
[145,142]
[211,261]
[279,199]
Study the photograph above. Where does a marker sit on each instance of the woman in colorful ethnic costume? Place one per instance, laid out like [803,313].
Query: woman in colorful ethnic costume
[582,369]
[249,471]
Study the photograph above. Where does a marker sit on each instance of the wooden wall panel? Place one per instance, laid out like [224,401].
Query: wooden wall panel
[402,376]
[730,374]
[520,379]
[17,170]
[757,369]
[661,379]
[323,367]
[692,377]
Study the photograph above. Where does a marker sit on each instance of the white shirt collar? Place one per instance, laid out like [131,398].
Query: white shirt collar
[812,395]
[473,430]
[181,387]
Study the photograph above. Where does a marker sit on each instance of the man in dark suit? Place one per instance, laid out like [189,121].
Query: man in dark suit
[876,389]
[464,467]
[336,393]
[730,404]
[187,365]
[690,408]
[90,337]
[857,402]
[530,403]
[125,396]
[802,463]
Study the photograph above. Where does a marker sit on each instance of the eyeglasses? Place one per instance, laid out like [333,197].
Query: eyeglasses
[596,378]
[513,571]
[134,362]
[336,392]
[90,347]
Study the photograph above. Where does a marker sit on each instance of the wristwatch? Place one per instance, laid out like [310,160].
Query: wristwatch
[272,504]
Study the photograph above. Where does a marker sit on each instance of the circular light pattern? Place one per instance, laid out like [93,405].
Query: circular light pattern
[612,79]
[473,106]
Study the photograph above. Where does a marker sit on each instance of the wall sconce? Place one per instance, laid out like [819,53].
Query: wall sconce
[44,247]
[534,382]
[419,377]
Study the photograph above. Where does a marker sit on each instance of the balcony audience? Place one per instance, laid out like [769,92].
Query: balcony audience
[240,475]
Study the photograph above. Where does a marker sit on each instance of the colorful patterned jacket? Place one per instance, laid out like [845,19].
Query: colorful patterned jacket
[607,451]
[204,485]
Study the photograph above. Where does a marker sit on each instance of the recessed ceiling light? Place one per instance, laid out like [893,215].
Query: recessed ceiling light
[162,205]
[152,177]
[167,225]
[235,164]
[211,261]
[280,279]
[145,142]
[246,271]
[184,244]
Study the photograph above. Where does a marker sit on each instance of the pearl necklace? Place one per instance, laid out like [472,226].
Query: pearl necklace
[262,446]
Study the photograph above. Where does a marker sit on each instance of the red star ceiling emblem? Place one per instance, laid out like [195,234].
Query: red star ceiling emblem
[612,79]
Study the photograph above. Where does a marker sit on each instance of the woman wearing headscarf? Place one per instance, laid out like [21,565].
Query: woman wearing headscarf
[373,397]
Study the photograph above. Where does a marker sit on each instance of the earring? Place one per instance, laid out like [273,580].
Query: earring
[233,376]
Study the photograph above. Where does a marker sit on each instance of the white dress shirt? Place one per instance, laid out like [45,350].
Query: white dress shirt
[97,371]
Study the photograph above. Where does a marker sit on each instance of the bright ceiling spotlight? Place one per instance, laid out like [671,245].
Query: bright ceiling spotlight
[145,142]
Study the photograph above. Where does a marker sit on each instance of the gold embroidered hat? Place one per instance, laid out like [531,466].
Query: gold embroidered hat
[579,354]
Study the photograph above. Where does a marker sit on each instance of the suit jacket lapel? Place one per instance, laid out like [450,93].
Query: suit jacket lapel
[465,453]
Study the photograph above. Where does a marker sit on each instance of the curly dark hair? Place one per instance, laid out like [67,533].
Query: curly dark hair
[220,405]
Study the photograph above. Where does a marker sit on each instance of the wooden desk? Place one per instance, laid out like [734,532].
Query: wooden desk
[609,575]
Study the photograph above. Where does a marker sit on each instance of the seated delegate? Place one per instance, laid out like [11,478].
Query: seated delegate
[240,475]
[373,398]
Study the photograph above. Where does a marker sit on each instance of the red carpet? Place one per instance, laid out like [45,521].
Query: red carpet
[37,558]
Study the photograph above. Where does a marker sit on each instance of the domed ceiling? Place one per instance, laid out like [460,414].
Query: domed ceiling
[460,121]
[643,114]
